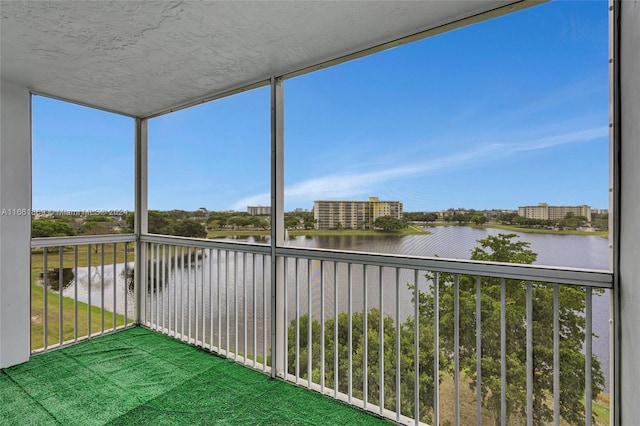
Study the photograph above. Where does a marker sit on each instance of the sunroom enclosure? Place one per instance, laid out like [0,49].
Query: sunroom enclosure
[216,318]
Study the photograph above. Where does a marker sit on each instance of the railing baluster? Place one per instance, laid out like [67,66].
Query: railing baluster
[264,314]
[436,349]
[309,321]
[322,348]
[226,301]
[416,357]
[219,262]
[285,342]
[588,349]
[503,353]
[157,284]
[255,316]
[244,307]
[350,331]
[335,330]
[60,288]
[529,307]
[75,294]
[152,283]
[382,336]
[456,349]
[195,296]
[204,317]
[162,286]
[235,304]
[365,328]
[45,283]
[175,290]
[478,350]
[102,288]
[89,289]
[182,300]
[115,275]
[167,289]
[211,299]
[189,294]
[556,355]
[297,321]
[398,362]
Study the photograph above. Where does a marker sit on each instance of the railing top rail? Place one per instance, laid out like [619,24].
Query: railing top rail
[550,274]
[82,240]
[206,243]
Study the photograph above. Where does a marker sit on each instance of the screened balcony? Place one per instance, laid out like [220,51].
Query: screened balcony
[295,315]
[219,297]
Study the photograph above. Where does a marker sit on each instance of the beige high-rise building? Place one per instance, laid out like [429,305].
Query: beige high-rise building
[547,212]
[259,210]
[330,214]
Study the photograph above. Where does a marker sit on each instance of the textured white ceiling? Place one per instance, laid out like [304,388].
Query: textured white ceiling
[141,57]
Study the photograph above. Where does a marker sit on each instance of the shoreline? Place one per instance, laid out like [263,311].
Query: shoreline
[413,229]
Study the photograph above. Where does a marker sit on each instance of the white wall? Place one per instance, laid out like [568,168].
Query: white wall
[15,229]
[629,277]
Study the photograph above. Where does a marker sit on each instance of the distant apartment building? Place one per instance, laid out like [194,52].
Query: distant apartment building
[547,212]
[259,210]
[353,214]
[443,214]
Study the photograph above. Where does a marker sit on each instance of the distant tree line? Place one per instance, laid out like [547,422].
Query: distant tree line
[571,221]
[174,222]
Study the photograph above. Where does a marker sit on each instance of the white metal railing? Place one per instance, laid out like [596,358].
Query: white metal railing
[420,355]
[81,287]
[213,295]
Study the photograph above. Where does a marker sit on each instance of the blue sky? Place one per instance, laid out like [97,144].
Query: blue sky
[509,112]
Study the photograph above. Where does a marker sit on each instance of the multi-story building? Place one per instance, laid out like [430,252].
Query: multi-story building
[545,211]
[331,214]
[259,210]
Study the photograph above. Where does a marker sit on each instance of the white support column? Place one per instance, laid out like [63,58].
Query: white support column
[628,277]
[15,224]
[140,215]
[278,326]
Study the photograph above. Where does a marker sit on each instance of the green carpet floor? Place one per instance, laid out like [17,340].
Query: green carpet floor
[138,377]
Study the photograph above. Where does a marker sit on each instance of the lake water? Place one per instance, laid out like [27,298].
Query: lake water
[317,283]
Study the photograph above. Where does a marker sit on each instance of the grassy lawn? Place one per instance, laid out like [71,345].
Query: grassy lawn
[68,326]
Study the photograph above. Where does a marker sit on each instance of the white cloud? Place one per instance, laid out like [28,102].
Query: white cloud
[350,185]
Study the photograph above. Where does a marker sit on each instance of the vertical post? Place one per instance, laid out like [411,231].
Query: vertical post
[615,192]
[15,223]
[140,214]
[278,326]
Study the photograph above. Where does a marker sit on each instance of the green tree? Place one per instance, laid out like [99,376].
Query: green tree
[189,228]
[291,222]
[98,218]
[218,219]
[571,221]
[94,228]
[51,228]
[503,248]
[160,223]
[374,326]
[459,217]
[389,223]
[479,219]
